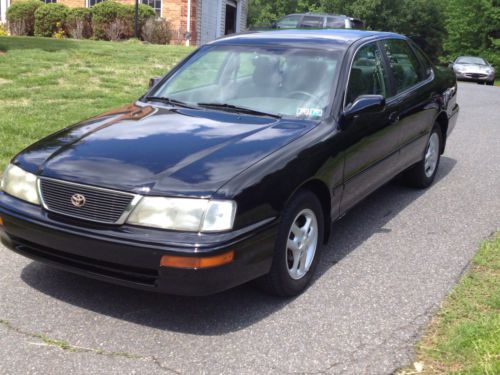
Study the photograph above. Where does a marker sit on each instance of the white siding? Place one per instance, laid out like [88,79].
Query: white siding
[3,11]
[211,18]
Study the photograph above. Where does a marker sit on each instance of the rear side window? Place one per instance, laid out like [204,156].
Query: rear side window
[312,22]
[335,23]
[289,22]
[368,75]
[405,66]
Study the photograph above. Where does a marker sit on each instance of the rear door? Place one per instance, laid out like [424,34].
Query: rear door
[371,158]
[312,22]
[414,95]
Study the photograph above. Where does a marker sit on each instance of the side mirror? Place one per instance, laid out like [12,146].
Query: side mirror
[153,81]
[274,25]
[363,104]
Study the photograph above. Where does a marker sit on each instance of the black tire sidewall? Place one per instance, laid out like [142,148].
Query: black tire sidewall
[428,180]
[283,282]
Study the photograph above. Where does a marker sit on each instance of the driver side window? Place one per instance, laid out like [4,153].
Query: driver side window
[368,75]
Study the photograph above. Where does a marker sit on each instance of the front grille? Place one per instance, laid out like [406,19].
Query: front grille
[475,75]
[101,205]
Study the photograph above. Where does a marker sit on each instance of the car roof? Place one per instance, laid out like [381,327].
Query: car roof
[316,36]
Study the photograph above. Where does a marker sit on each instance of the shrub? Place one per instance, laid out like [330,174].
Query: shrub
[118,29]
[21,17]
[145,13]
[3,31]
[47,17]
[105,14]
[79,23]
[156,30]
[59,32]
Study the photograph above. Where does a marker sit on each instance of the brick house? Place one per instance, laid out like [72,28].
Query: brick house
[207,19]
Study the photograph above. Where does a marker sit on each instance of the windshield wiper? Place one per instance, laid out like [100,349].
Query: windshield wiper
[235,108]
[170,101]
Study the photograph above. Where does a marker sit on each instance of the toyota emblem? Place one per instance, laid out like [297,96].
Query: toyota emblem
[78,200]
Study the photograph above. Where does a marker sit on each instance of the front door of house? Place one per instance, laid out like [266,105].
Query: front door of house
[231,13]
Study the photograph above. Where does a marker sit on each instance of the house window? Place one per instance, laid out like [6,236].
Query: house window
[155,4]
[50,1]
[91,3]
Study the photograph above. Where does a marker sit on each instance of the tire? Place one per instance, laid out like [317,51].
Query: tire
[490,83]
[422,174]
[285,279]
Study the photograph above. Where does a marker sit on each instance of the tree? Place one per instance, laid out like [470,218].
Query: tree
[461,26]
[473,28]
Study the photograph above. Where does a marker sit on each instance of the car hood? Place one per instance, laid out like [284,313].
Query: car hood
[472,68]
[160,150]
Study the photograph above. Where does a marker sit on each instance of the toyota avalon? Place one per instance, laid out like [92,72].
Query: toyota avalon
[233,166]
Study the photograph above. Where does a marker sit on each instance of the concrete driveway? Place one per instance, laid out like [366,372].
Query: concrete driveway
[389,264]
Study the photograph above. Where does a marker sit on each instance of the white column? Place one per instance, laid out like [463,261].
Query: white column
[220,4]
[188,28]
[3,11]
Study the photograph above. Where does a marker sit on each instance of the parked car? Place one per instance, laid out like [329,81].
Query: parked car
[317,21]
[233,166]
[473,68]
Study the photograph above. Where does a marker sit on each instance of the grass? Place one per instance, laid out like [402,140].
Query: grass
[464,337]
[47,84]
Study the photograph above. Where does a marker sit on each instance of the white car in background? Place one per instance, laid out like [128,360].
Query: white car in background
[472,68]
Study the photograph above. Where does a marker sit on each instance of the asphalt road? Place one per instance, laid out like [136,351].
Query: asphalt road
[389,264]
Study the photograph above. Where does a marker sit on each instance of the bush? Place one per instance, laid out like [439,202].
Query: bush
[103,14]
[118,29]
[156,30]
[48,16]
[107,13]
[3,31]
[79,23]
[145,13]
[21,17]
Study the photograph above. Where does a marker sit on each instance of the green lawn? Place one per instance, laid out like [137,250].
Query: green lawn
[47,84]
[464,337]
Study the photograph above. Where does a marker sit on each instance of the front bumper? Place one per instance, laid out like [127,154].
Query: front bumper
[130,256]
[475,77]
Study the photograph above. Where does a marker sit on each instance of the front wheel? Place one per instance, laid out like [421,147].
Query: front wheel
[422,174]
[297,247]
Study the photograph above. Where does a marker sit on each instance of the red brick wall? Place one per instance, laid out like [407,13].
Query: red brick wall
[176,11]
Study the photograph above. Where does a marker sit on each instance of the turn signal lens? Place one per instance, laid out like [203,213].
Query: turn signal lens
[1,222]
[196,262]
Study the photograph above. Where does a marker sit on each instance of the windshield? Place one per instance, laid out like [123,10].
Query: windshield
[470,60]
[278,81]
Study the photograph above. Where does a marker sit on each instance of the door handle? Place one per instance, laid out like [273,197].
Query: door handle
[393,117]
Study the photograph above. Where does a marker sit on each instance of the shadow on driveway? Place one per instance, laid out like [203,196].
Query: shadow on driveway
[232,310]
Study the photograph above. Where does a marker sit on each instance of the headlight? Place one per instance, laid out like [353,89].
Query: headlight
[20,184]
[194,215]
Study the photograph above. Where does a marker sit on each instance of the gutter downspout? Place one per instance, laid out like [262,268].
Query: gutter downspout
[188,29]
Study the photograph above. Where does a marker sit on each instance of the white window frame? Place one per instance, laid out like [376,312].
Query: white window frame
[87,3]
[161,7]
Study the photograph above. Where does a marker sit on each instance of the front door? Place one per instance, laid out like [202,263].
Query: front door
[231,20]
[371,158]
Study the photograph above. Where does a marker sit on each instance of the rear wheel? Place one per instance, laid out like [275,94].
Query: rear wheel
[422,174]
[297,247]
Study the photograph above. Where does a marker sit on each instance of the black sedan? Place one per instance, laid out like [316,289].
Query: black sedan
[233,166]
